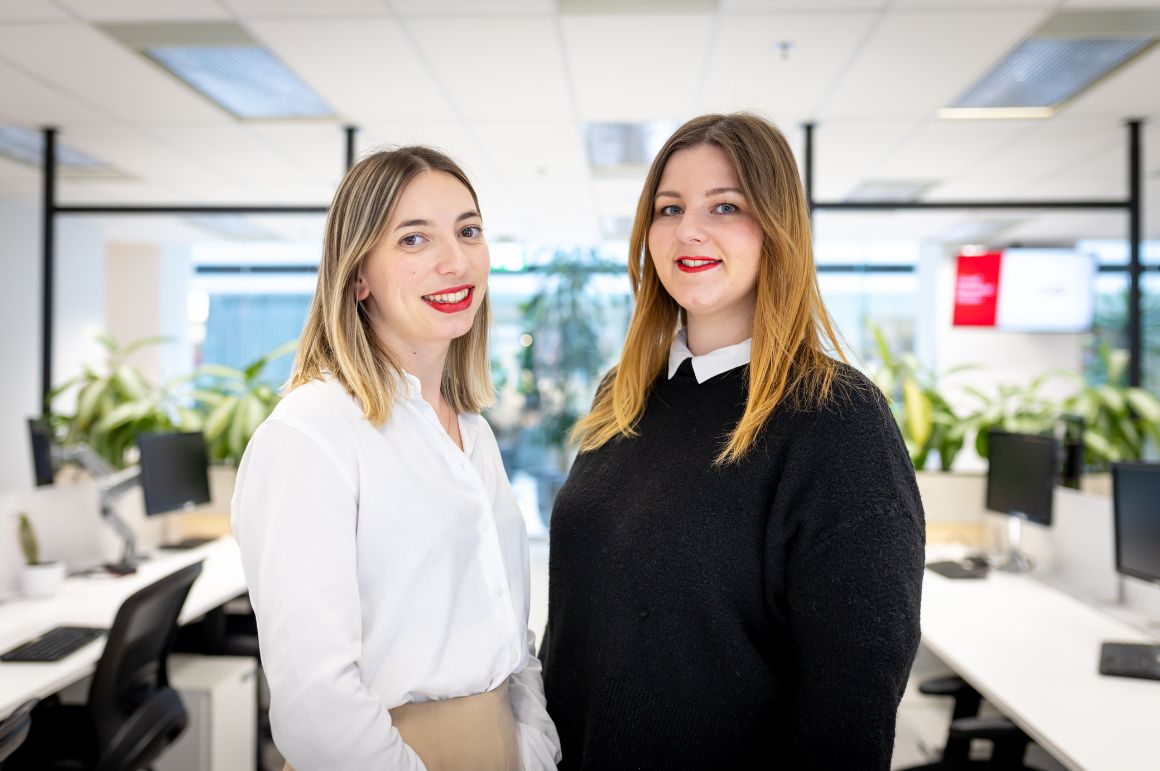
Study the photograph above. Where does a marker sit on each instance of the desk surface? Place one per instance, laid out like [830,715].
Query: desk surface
[94,601]
[1033,652]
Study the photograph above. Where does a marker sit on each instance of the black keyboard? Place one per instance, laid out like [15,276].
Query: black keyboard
[188,543]
[957,570]
[1130,660]
[54,644]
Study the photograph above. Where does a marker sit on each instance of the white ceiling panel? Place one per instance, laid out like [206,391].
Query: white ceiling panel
[748,70]
[366,69]
[30,10]
[968,5]
[943,149]
[497,69]
[33,103]
[846,151]
[533,151]
[317,148]
[140,155]
[1033,156]
[125,84]
[619,195]
[446,8]
[146,10]
[232,152]
[451,138]
[1130,92]
[253,9]
[634,68]
[801,5]
[915,63]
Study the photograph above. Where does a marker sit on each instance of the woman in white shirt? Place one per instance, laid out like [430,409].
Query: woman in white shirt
[386,557]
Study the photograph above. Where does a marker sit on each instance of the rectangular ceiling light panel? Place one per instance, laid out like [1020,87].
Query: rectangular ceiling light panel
[27,146]
[616,147]
[246,80]
[1043,73]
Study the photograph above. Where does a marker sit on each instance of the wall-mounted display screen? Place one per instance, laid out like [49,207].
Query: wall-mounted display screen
[1026,290]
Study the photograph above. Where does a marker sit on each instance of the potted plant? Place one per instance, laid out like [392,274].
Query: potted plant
[38,579]
[117,403]
[235,402]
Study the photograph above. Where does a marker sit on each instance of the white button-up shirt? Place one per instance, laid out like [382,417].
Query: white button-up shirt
[709,364]
[385,566]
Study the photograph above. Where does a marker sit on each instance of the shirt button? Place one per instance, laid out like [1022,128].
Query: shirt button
[499,591]
[484,527]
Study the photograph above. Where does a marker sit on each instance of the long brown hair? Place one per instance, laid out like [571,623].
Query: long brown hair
[789,362]
[338,337]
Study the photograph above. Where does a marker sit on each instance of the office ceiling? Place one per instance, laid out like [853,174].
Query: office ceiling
[507,85]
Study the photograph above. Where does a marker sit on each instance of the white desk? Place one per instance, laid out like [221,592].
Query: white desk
[94,602]
[1033,652]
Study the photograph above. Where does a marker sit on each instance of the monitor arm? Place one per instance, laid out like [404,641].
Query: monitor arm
[112,488]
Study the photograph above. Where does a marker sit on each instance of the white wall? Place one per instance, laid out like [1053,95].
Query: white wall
[79,309]
[20,338]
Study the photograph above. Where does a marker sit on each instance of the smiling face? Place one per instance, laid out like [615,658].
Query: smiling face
[426,276]
[705,243]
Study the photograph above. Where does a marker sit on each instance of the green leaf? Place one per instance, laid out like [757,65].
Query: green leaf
[144,342]
[123,413]
[131,382]
[219,420]
[1113,398]
[916,409]
[221,371]
[1144,404]
[88,404]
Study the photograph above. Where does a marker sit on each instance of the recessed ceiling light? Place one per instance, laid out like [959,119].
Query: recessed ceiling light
[223,62]
[621,147]
[1043,73]
[890,190]
[247,81]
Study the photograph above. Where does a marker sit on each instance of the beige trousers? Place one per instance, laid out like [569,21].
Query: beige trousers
[471,733]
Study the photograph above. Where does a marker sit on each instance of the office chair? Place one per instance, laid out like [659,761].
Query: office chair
[1008,741]
[14,730]
[132,713]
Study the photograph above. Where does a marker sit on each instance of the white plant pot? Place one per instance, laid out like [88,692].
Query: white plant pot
[44,580]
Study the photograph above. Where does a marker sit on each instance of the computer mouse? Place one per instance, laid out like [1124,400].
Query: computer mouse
[976,562]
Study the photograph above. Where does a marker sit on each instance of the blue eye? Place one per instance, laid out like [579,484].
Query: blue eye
[412,239]
[726,208]
[669,211]
[472,231]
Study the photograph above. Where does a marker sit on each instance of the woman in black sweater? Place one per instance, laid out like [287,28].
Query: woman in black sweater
[737,554]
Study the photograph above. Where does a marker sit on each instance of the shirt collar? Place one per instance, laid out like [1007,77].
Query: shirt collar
[710,364]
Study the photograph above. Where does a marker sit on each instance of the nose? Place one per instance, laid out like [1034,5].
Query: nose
[453,261]
[691,228]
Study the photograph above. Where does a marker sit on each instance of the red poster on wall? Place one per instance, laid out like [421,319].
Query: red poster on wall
[977,289]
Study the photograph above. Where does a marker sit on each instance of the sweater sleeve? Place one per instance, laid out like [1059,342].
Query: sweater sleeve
[848,552]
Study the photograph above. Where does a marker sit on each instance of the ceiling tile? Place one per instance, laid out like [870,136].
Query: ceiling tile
[31,102]
[497,69]
[915,63]
[146,10]
[30,10]
[446,8]
[123,83]
[533,151]
[254,9]
[635,68]
[365,69]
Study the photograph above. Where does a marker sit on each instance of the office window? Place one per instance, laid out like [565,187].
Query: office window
[242,327]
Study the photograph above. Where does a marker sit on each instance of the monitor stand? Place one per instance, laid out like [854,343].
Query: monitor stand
[1017,561]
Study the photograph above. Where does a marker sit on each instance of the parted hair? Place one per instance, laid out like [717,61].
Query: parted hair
[791,327]
[338,337]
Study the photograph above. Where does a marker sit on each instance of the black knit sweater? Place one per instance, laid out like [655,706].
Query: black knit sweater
[761,614]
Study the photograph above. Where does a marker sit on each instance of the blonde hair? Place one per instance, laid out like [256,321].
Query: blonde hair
[338,337]
[789,362]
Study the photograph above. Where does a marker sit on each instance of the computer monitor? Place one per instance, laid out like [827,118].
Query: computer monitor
[1136,506]
[42,465]
[1070,431]
[1021,474]
[1022,471]
[174,471]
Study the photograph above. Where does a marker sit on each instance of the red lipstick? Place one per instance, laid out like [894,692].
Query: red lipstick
[445,306]
[705,263]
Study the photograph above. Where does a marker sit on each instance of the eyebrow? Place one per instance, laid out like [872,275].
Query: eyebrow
[714,191]
[426,223]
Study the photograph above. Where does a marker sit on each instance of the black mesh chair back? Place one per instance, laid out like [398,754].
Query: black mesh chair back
[135,713]
[14,729]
